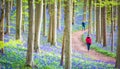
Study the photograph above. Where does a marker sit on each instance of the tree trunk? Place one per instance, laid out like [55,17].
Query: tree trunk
[94,8]
[68,30]
[7,17]
[23,17]
[63,48]
[44,17]
[2,23]
[38,22]
[104,23]
[54,23]
[18,19]
[112,29]
[116,16]
[85,11]
[98,23]
[117,65]
[59,15]
[90,17]
[50,24]
[73,13]
[29,57]
[11,4]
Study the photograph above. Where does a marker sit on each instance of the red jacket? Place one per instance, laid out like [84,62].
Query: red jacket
[88,40]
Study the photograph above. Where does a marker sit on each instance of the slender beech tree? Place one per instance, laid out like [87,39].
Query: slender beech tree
[103,24]
[23,15]
[38,22]
[112,27]
[44,17]
[2,15]
[30,48]
[98,22]
[90,17]
[117,65]
[115,15]
[7,13]
[73,12]
[94,10]
[63,49]
[19,19]
[54,22]
[59,15]
[85,11]
[50,23]
[11,4]
[68,30]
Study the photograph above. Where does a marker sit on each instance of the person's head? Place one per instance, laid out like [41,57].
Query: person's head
[88,36]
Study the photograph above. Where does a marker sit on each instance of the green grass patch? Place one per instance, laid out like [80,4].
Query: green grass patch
[102,51]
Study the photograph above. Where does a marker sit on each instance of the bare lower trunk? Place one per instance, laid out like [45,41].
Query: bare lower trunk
[44,17]
[117,65]
[30,48]
[38,22]
[7,17]
[19,19]
[68,32]
[63,48]
[59,15]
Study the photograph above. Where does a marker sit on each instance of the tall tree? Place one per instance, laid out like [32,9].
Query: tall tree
[2,15]
[30,48]
[68,30]
[59,15]
[90,17]
[94,17]
[18,19]
[38,22]
[44,17]
[103,24]
[7,17]
[54,23]
[73,12]
[112,28]
[63,48]
[85,11]
[117,65]
[50,23]
[115,15]
[98,22]
[23,15]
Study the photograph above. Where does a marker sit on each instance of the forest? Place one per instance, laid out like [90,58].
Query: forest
[53,34]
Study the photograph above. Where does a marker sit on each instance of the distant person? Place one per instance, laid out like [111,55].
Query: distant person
[83,25]
[88,42]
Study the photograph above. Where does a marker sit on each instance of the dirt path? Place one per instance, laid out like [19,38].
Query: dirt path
[80,46]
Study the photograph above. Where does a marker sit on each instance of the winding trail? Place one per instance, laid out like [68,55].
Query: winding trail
[80,46]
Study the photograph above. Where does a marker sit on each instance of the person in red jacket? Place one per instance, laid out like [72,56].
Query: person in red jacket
[88,42]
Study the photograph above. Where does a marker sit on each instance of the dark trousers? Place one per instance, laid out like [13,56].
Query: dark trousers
[88,46]
[83,27]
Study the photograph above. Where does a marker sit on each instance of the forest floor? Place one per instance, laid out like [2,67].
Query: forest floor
[80,46]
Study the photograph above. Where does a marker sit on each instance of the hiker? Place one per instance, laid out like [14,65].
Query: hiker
[83,25]
[88,42]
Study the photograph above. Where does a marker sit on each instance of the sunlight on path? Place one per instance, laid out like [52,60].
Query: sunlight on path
[80,46]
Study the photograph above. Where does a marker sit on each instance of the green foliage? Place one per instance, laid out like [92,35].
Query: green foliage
[104,52]
[1,44]
[10,43]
